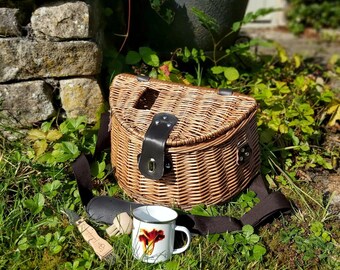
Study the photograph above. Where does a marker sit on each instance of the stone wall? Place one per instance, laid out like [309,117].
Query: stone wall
[49,66]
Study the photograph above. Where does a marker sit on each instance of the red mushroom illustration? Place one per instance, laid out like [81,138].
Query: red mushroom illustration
[149,239]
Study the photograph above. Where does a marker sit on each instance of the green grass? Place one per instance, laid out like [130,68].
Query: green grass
[36,235]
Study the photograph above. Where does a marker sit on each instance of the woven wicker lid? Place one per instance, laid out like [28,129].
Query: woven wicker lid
[202,113]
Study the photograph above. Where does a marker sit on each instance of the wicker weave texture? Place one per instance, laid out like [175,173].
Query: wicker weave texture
[203,147]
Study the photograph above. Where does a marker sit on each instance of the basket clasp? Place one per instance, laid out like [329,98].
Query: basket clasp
[152,161]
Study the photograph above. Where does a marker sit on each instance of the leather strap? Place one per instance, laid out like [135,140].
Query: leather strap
[104,208]
[152,159]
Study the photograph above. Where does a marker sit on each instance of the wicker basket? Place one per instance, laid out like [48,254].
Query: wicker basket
[210,154]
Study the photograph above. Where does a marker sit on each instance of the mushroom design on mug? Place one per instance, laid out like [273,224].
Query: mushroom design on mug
[149,239]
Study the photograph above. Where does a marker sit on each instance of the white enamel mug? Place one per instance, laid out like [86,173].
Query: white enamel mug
[153,234]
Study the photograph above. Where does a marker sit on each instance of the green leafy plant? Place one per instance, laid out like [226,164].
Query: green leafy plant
[65,143]
[198,57]
[313,244]
[290,104]
[146,61]
[313,13]
[212,26]
[145,54]
[246,201]
[51,189]
[36,204]
[202,210]
[162,10]
[246,243]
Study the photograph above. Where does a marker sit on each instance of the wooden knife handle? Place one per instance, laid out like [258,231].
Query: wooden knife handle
[101,247]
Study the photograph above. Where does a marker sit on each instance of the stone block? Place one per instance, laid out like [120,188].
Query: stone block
[70,20]
[81,97]
[26,59]
[25,103]
[9,22]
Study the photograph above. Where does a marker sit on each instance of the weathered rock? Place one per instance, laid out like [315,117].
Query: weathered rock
[63,21]
[25,103]
[26,59]
[9,22]
[81,96]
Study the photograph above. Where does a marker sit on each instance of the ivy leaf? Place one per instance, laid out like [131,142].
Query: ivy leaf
[71,125]
[231,73]
[199,210]
[46,126]
[253,239]
[229,239]
[301,83]
[258,252]
[149,56]
[23,244]
[51,189]
[236,26]
[294,123]
[283,128]
[46,157]
[274,123]
[153,74]
[187,52]
[36,204]
[305,147]
[306,109]
[40,147]
[194,53]
[247,230]
[262,92]
[285,90]
[309,119]
[132,58]
[35,134]
[327,96]
[307,129]
[65,151]
[53,135]
[185,55]
[56,249]
[217,69]
[326,237]
[316,228]
[98,169]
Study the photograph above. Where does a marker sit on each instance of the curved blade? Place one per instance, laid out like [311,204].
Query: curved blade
[72,216]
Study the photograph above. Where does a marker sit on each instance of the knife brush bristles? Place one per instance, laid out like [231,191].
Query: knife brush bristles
[110,258]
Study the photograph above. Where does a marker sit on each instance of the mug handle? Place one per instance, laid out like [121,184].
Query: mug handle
[185,247]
